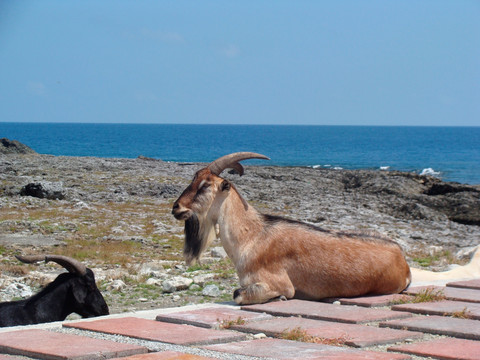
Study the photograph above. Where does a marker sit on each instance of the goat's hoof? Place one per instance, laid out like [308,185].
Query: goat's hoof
[237,296]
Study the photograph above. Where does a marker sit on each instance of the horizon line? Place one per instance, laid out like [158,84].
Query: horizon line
[233,124]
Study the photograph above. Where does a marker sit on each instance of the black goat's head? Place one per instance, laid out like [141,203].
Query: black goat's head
[85,298]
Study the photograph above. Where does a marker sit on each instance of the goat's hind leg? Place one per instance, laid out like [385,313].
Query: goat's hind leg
[261,292]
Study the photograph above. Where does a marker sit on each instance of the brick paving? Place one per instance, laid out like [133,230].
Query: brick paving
[179,334]
[287,349]
[328,331]
[360,328]
[451,293]
[375,301]
[44,344]
[443,349]
[324,311]
[470,284]
[165,355]
[447,307]
[440,325]
[218,317]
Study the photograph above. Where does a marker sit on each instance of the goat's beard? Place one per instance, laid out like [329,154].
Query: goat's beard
[199,233]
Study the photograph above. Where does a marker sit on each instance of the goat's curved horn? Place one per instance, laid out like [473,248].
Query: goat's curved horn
[72,265]
[232,161]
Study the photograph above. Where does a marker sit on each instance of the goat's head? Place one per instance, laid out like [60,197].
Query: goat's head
[85,298]
[199,203]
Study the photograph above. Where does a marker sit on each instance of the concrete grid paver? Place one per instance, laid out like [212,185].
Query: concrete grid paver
[287,349]
[44,344]
[469,284]
[324,311]
[165,355]
[440,325]
[323,320]
[179,334]
[330,332]
[213,317]
[375,301]
[451,293]
[443,308]
[455,349]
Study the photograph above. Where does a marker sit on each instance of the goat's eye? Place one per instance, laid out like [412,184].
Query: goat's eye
[204,187]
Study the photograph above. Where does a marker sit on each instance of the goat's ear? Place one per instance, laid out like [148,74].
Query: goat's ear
[226,185]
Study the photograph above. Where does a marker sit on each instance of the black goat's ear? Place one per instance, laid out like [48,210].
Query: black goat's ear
[226,185]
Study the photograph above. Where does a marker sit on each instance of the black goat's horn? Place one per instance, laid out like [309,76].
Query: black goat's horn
[232,161]
[72,265]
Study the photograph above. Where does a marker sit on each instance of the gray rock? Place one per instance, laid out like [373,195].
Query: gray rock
[151,269]
[16,290]
[14,147]
[176,283]
[211,290]
[202,279]
[218,252]
[153,281]
[195,287]
[116,285]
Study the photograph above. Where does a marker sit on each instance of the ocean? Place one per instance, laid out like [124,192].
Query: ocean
[450,153]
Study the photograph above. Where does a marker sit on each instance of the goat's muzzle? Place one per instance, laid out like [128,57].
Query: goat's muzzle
[181,213]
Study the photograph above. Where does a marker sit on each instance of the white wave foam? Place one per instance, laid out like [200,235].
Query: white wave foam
[430,172]
[384,168]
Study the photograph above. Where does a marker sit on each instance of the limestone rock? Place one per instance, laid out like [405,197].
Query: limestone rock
[116,285]
[14,147]
[176,283]
[16,290]
[218,252]
[211,290]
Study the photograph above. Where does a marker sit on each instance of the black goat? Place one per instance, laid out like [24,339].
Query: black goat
[72,292]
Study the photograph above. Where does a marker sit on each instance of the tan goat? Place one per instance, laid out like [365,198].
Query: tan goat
[276,257]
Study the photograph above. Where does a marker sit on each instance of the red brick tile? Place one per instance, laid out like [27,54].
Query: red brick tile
[323,311]
[158,331]
[349,334]
[212,317]
[286,349]
[451,293]
[448,348]
[468,284]
[44,344]
[374,301]
[446,307]
[461,328]
[166,355]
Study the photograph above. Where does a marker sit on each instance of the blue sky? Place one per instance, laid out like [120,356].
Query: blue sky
[241,62]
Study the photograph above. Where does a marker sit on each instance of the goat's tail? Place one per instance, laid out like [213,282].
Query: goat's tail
[465,272]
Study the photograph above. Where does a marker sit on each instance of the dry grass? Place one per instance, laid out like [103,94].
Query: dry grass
[104,233]
[429,294]
[299,334]
[227,324]
[463,314]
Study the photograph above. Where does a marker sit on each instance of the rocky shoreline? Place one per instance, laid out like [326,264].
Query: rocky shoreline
[114,214]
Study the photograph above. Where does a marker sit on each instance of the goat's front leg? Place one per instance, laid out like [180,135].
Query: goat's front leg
[261,292]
